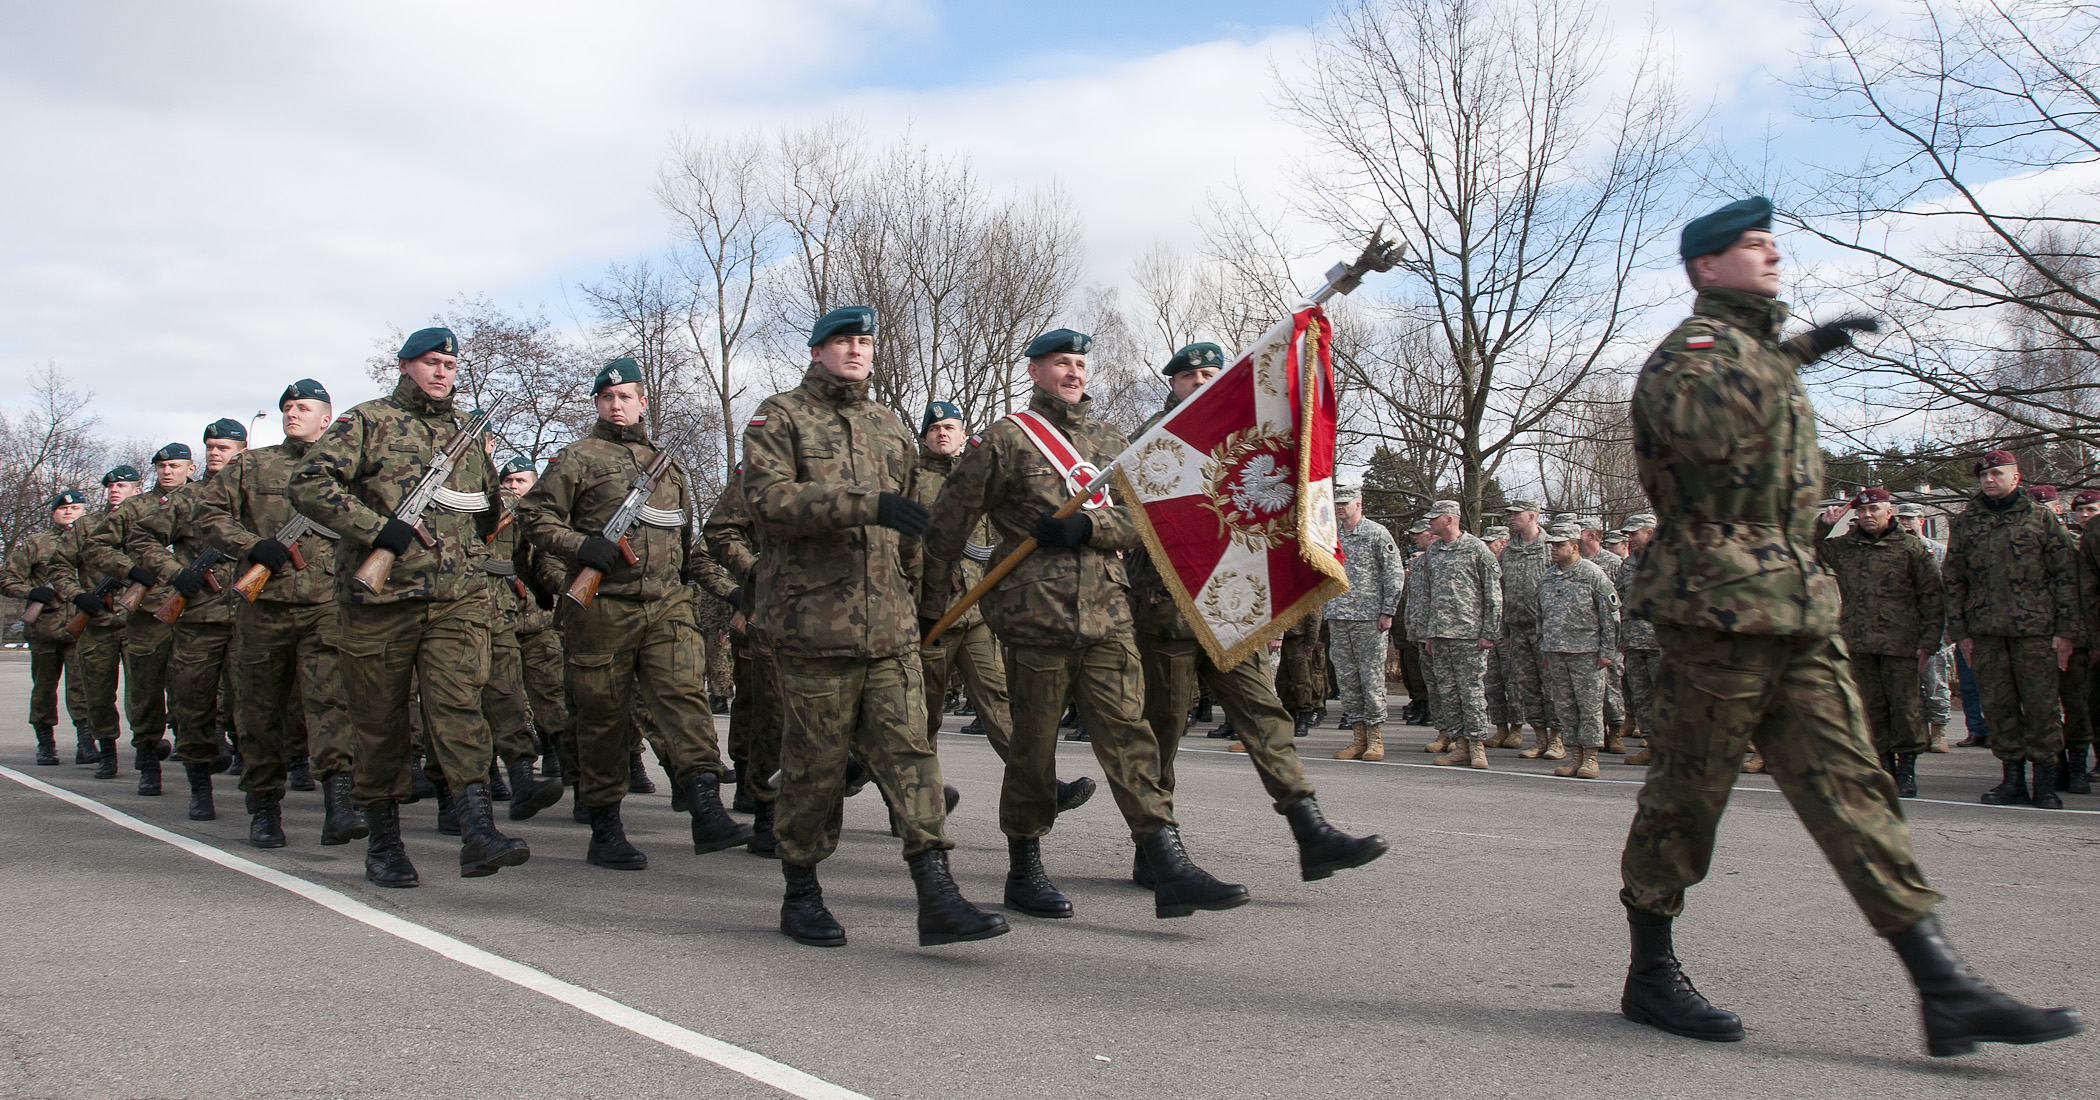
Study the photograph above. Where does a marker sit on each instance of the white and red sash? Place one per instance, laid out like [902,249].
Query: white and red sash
[1078,472]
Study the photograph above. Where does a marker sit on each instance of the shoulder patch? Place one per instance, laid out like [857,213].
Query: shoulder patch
[1699,343]
[343,419]
[976,440]
[758,421]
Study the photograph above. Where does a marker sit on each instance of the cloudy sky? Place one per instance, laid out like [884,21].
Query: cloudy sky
[209,199]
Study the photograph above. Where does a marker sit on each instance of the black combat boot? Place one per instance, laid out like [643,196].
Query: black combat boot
[1072,795]
[2075,778]
[420,785]
[950,798]
[2011,790]
[944,916]
[638,781]
[1141,870]
[529,795]
[742,802]
[146,758]
[1301,723]
[1179,887]
[1324,849]
[975,728]
[265,819]
[299,774]
[107,769]
[499,791]
[678,803]
[1079,732]
[448,810]
[1071,717]
[1962,1010]
[1906,774]
[856,777]
[609,846]
[803,917]
[341,822]
[551,757]
[713,828]
[201,808]
[46,746]
[85,751]
[1659,995]
[1028,887]
[762,841]
[1222,731]
[1203,709]
[386,858]
[2045,787]
[235,765]
[482,850]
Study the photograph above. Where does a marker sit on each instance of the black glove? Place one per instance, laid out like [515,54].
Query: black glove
[189,583]
[926,626]
[902,513]
[394,537]
[1053,533]
[1824,339]
[600,553]
[45,596]
[90,604]
[544,599]
[735,599]
[142,576]
[271,554]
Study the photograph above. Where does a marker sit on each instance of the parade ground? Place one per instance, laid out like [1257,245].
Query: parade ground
[152,956]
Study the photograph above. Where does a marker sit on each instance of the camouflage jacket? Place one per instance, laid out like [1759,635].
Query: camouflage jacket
[938,591]
[1634,631]
[362,466]
[2010,572]
[1059,599]
[73,552]
[1725,441]
[833,582]
[2089,586]
[1892,600]
[1607,561]
[1523,563]
[168,537]
[511,558]
[39,562]
[1578,610]
[732,540]
[249,500]
[582,488]
[106,552]
[1377,574]
[1460,592]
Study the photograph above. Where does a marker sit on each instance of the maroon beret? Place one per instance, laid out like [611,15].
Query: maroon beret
[2042,492]
[1995,459]
[1875,495]
[2089,496]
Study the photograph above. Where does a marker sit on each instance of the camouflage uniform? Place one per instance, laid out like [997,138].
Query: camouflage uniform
[1579,621]
[1725,441]
[1641,650]
[1892,612]
[425,635]
[166,539]
[838,599]
[754,713]
[2075,683]
[2012,585]
[968,645]
[1935,705]
[149,643]
[1459,604]
[36,562]
[1062,617]
[1301,675]
[1522,564]
[1377,578]
[504,702]
[1614,691]
[95,656]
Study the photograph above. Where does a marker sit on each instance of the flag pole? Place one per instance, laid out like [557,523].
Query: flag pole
[1379,255]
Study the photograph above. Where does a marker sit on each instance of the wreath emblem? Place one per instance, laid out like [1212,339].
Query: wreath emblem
[1233,598]
[1250,484]
[1159,466]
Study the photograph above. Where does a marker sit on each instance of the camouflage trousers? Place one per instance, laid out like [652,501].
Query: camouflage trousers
[973,652]
[1614,693]
[874,708]
[148,646]
[619,649]
[1577,687]
[2074,687]
[1358,648]
[197,672]
[2019,682]
[1793,696]
[1640,688]
[1301,676]
[94,661]
[754,720]
[1523,672]
[503,701]
[1107,683]
[1888,688]
[291,691]
[1493,688]
[49,662]
[545,668]
[433,654]
[1411,677]
[1173,669]
[1456,668]
[1934,704]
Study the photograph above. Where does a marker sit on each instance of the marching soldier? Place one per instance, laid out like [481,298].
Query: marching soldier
[827,477]
[1301,673]
[539,643]
[1458,616]
[1523,561]
[1725,441]
[1063,619]
[1578,633]
[1637,643]
[505,699]
[99,651]
[1357,622]
[36,573]
[968,644]
[423,634]
[148,641]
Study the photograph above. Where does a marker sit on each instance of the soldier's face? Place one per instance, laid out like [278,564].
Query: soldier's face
[66,515]
[1351,514]
[1423,539]
[2086,512]
[1875,517]
[1750,264]
[1589,544]
[520,483]
[1063,374]
[304,418]
[848,357]
[219,452]
[432,372]
[1187,382]
[1444,528]
[119,492]
[1639,540]
[1525,525]
[1999,480]
[170,472]
[1914,524]
[621,404]
[944,437]
[1566,553]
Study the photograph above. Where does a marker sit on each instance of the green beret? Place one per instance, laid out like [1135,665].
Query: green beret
[1195,357]
[70,496]
[305,389]
[173,452]
[517,464]
[843,321]
[425,340]
[1707,235]
[126,472]
[1059,340]
[226,428]
[617,372]
[937,411]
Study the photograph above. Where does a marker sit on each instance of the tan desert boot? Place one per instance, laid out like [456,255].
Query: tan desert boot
[1754,764]
[1235,746]
[1640,759]
[1939,738]
[1554,750]
[1458,757]
[1614,742]
[1538,743]
[1442,742]
[1478,757]
[1567,770]
[1356,747]
[1374,744]
[1589,769]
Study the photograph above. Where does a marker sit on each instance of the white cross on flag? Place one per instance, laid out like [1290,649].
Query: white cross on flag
[1234,492]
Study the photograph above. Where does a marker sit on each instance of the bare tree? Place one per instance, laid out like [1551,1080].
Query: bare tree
[1586,453]
[639,312]
[47,447]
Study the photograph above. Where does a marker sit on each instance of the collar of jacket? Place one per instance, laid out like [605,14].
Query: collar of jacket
[1860,533]
[1756,314]
[410,396]
[1173,401]
[831,389]
[2015,501]
[1067,415]
[620,433]
[297,448]
[930,459]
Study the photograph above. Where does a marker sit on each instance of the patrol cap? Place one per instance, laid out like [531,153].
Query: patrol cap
[617,372]
[1346,491]
[1420,527]
[125,472]
[426,340]
[937,411]
[1912,508]
[1614,538]
[1522,504]
[1708,234]
[2088,496]
[1568,518]
[516,464]
[69,496]
[1871,495]
[1493,533]
[843,321]
[173,452]
[1059,340]
[1995,459]
[1563,532]
[1639,521]
[305,389]
[226,428]
[2044,493]
[1442,508]
[1195,357]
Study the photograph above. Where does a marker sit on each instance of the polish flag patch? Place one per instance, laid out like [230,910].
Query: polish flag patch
[1699,343]
[759,421]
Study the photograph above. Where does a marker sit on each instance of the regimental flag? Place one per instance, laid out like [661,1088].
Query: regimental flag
[1234,492]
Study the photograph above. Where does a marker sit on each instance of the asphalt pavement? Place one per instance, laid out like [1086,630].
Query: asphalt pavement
[1481,958]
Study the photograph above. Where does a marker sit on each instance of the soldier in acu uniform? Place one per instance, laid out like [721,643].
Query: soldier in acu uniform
[1725,442]
[1523,561]
[1578,634]
[1637,642]
[36,572]
[1457,613]
[1358,620]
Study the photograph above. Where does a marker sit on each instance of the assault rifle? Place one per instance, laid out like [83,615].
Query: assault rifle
[78,623]
[298,527]
[372,574]
[584,588]
[200,568]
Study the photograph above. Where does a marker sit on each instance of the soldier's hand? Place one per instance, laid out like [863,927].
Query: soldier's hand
[600,553]
[902,514]
[90,604]
[1604,662]
[189,582]
[737,622]
[1824,339]
[270,554]
[1057,534]
[545,600]
[1385,622]
[735,597]
[394,537]
[43,595]
[2063,653]
[1489,643]
[142,576]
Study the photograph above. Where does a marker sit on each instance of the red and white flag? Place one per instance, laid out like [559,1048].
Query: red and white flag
[1234,491]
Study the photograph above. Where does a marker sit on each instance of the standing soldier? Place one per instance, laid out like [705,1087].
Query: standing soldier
[1725,442]
[1523,561]
[754,710]
[827,476]
[1458,615]
[1357,622]
[640,633]
[148,641]
[1595,550]
[37,573]
[2074,687]
[422,635]
[1063,620]
[1494,681]
[1578,633]
[539,643]
[1637,643]
[2012,607]
[99,651]
[1934,705]
[1891,619]
[2077,779]
[287,667]
[1418,708]
[514,585]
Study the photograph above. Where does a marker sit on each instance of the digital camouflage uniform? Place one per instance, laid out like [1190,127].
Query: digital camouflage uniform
[839,598]
[166,539]
[968,645]
[36,562]
[1377,578]
[1892,612]
[1578,621]
[755,714]
[2012,585]
[149,643]
[1522,564]
[1614,691]
[1642,651]
[1459,604]
[1725,442]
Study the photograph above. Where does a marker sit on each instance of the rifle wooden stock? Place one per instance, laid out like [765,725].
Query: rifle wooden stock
[372,574]
[31,612]
[172,610]
[998,572]
[501,523]
[131,596]
[251,583]
[77,625]
[298,559]
[584,588]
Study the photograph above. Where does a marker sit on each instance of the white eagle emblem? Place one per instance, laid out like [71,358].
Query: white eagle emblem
[1262,489]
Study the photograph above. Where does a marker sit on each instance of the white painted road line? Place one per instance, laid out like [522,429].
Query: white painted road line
[729,1056]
